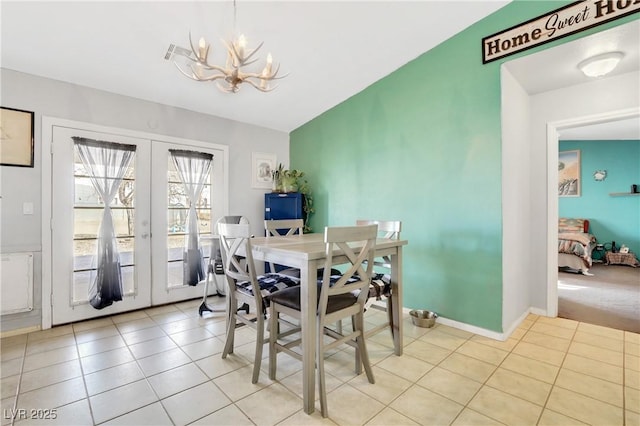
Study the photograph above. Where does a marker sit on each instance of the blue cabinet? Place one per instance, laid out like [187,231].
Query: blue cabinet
[283,206]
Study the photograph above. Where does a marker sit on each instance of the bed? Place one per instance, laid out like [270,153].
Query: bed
[575,245]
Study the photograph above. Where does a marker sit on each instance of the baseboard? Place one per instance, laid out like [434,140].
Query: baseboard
[538,311]
[19,331]
[516,323]
[467,327]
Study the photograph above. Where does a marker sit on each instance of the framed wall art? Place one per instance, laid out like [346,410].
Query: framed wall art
[569,174]
[262,167]
[16,137]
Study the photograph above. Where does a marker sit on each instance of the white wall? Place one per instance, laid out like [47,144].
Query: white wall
[596,97]
[516,217]
[46,97]
[531,230]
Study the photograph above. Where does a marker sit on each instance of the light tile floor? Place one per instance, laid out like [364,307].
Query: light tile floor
[163,366]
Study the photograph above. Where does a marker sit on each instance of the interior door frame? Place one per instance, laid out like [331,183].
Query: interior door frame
[553,147]
[46,201]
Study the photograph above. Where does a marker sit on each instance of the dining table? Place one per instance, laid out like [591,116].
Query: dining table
[307,253]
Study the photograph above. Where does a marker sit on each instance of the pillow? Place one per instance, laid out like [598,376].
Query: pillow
[566,224]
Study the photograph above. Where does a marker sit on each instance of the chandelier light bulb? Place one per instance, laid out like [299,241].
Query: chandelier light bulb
[599,65]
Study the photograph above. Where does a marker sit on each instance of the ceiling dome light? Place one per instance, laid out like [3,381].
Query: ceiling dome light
[599,65]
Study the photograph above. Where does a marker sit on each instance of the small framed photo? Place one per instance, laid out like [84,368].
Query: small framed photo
[262,167]
[16,137]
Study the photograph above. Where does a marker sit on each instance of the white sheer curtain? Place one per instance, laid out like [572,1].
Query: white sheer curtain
[193,168]
[105,163]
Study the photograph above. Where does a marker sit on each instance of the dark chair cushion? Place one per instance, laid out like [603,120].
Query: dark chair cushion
[290,297]
[269,283]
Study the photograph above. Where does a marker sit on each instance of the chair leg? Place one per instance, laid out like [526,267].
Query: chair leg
[231,326]
[390,315]
[259,345]
[358,365]
[273,338]
[362,348]
[322,386]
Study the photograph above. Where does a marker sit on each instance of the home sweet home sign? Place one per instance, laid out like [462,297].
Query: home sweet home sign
[559,23]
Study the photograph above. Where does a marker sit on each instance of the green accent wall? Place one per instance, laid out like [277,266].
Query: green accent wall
[611,218]
[423,145]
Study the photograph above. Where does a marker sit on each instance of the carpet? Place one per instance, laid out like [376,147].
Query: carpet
[611,297]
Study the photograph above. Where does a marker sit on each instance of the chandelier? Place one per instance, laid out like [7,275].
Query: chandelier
[233,73]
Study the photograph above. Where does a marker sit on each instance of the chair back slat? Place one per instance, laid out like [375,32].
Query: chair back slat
[235,243]
[357,244]
[280,227]
[386,229]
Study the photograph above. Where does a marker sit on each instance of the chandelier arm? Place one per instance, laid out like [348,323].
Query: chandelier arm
[254,51]
[193,49]
[193,76]
[245,63]
[208,66]
[204,65]
[224,89]
[210,77]
[258,87]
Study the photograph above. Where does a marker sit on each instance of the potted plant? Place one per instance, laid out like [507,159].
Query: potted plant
[285,180]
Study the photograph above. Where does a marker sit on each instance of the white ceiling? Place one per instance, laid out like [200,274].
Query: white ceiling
[331,50]
[556,68]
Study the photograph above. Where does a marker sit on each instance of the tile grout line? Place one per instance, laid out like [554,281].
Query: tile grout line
[84,382]
[17,394]
[553,385]
[146,379]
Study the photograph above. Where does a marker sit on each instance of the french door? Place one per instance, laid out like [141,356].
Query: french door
[148,212]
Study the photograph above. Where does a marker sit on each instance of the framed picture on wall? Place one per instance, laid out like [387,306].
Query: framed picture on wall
[16,137]
[569,174]
[262,167]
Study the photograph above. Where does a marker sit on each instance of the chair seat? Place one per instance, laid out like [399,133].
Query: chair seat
[290,297]
[269,283]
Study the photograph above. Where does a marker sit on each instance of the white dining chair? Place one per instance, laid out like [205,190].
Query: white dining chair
[339,296]
[279,228]
[246,287]
[381,281]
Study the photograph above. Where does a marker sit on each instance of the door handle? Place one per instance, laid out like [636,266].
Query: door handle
[144,235]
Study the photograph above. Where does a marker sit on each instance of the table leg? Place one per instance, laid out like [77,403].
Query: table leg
[308,301]
[396,300]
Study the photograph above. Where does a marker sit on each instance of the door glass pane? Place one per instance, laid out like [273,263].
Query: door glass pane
[177,210]
[88,211]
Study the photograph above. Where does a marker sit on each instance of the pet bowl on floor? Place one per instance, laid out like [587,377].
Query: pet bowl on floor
[422,318]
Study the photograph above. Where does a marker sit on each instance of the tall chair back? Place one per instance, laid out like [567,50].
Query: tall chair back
[359,260]
[340,296]
[283,227]
[280,227]
[247,287]
[381,281]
